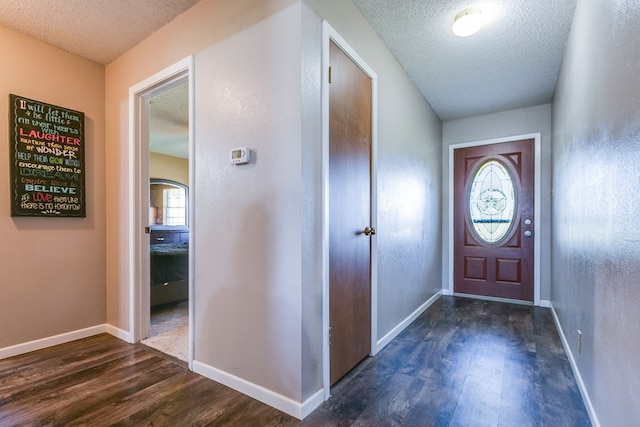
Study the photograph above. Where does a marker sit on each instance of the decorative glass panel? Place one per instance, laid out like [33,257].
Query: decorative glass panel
[492,204]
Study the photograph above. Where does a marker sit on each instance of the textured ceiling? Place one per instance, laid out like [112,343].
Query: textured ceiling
[99,30]
[512,62]
[169,122]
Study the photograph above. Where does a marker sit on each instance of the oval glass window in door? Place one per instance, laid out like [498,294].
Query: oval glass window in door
[492,204]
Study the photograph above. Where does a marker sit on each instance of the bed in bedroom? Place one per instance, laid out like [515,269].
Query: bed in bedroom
[169,267]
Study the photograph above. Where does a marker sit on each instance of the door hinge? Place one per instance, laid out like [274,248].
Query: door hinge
[330,74]
[147,230]
[330,331]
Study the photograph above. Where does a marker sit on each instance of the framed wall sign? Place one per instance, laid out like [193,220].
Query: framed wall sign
[47,167]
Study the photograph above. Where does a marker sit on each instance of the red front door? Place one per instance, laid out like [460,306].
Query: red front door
[493,220]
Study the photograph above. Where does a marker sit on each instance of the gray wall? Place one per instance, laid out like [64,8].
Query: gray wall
[595,247]
[508,123]
[248,227]
[257,231]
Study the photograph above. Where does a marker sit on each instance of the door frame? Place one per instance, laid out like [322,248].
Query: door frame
[330,34]
[537,212]
[139,258]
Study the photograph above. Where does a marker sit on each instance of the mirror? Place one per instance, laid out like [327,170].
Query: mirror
[169,201]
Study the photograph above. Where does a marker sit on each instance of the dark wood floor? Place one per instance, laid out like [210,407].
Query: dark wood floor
[462,363]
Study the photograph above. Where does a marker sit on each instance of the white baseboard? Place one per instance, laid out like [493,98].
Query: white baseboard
[494,299]
[119,333]
[576,372]
[27,347]
[309,405]
[266,396]
[449,292]
[406,322]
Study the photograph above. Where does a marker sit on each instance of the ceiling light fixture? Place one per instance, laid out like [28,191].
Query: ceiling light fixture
[467,22]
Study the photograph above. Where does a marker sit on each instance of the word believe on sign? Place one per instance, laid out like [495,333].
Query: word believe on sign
[47,151]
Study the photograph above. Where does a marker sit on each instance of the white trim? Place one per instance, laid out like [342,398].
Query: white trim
[138,218]
[326,363]
[309,405]
[18,349]
[406,322]
[120,334]
[192,209]
[545,303]
[374,207]
[264,395]
[537,208]
[576,372]
[330,34]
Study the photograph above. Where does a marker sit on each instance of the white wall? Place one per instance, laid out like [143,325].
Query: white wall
[52,277]
[595,250]
[312,296]
[248,218]
[504,124]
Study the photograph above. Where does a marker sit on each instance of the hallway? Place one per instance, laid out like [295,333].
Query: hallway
[463,362]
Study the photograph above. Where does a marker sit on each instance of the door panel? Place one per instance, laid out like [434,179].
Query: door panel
[493,251]
[349,213]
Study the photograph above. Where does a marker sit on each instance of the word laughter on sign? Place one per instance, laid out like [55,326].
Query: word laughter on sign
[47,152]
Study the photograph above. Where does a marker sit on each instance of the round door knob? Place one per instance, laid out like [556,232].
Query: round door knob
[369,231]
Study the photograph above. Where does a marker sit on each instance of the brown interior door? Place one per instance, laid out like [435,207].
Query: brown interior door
[493,220]
[349,214]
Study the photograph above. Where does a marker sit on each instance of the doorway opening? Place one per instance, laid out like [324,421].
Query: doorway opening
[162,211]
[168,221]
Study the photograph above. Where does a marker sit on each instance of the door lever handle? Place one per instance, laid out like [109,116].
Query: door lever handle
[369,231]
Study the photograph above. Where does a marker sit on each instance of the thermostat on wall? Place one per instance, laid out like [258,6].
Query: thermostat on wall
[240,156]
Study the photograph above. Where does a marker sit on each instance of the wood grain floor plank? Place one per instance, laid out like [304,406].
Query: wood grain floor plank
[171,402]
[55,352]
[121,407]
[480,363]
[42,375]
[81,391]
[120,389]
[462,362]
